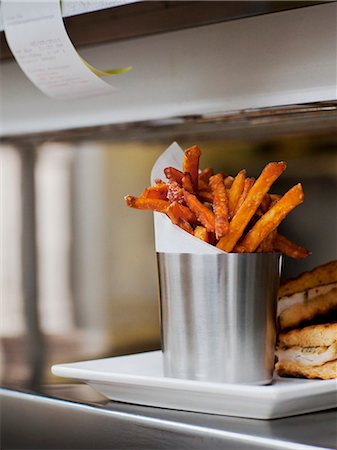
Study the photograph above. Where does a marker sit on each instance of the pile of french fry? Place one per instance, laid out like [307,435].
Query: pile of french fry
[236,214]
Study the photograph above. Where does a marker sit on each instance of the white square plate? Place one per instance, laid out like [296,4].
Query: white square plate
[139,379]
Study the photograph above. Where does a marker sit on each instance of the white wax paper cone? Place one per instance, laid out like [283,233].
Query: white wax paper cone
[169,238]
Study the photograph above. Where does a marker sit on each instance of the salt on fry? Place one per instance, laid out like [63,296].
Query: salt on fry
[175,192]
[289,248]
[235,191]
[272,218]
[203,214]
[152,204]
[220,205]
[253,200]
[191,164]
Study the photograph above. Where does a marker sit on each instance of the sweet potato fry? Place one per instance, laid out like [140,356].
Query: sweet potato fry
[187,183]
[152,204]
[267,245]
[272,218]
[205,196]
[228,181]
[220,205]
[289,248]
[235,191]
[201,233]
[184,212]
[175,192]
[174,174]
[248,184]
[159,190]
[205,175]
[180,215]
[253,200]
[191,164]
[203,214]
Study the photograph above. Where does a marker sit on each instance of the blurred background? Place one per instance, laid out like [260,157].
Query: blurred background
[79,275]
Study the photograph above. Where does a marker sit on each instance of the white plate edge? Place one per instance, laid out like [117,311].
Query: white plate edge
[297,390]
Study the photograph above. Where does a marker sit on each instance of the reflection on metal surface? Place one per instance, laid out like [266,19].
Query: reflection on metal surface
[218,316]
[311,119]
[87,422]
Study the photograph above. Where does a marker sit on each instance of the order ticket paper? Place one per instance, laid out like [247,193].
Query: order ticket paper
[37,37]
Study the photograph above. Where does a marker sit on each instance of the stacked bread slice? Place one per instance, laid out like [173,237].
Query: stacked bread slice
[307,320]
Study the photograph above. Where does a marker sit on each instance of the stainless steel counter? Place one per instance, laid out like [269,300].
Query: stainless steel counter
[76,417]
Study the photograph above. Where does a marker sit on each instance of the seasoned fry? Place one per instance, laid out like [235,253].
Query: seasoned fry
[174,174]
[265,205]
[191,164]
[180,215]
[203,214]
[220,205]
[235,191]
[272,218]
[254,198]
[187,183]
[184,212]
[205,196]
[159,190]
[248,184]
[152,204]
[175,192]
[289,248]
[228,181]
[201,233]
[267,245]
[204,176]
[235,214]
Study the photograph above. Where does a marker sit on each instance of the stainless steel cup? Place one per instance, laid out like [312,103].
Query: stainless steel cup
[218,316]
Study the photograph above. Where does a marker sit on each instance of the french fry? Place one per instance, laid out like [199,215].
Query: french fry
[201,233]
[235,191]
[267,245]
[184,212]
[159,190]
[191,164]
[203,214]
[220,205]
[180,215]
[253,200]
[187,183]
[289,248]
[248,184]
[175,192]
[228,181]
[205,196]
[235,214]
[203,179]
[152,204]
[272,218]
[174,174]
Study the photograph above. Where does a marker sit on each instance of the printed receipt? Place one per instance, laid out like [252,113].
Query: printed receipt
[37,37]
